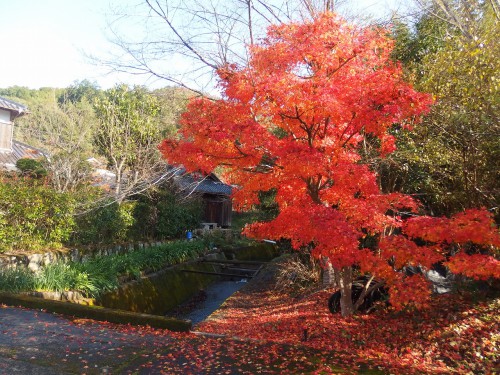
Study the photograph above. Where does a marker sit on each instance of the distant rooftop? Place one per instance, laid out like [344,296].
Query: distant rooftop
[13,106]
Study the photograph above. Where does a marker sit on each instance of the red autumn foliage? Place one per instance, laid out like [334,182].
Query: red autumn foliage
[294,120]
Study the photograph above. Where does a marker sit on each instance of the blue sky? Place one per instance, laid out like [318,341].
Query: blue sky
[44,42]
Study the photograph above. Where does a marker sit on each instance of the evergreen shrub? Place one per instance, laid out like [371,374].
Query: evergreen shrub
[33,216]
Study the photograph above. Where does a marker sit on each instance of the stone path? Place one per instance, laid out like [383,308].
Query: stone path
[35,342]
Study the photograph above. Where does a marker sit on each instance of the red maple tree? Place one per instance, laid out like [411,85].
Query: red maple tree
[294,120]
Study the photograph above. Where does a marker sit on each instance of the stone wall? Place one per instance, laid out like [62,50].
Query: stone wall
[35,261]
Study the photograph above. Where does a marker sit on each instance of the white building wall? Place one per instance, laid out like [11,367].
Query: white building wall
[6,130]
[4,116]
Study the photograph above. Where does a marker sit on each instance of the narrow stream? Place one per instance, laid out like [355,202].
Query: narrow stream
[212,297]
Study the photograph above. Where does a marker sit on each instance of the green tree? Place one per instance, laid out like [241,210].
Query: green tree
[173,102]
[451,160]
[79,91]
[128,135]
[65,133]
[47,95]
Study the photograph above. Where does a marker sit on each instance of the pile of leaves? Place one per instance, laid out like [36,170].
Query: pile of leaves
[454,335]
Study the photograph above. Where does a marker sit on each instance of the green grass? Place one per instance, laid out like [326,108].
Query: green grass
[16,280]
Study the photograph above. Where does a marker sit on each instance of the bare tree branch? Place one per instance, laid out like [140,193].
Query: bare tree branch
[184,42]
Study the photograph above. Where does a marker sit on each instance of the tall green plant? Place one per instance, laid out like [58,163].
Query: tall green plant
[101,274]
[16,280]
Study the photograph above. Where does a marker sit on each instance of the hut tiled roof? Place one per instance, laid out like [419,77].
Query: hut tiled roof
[205,185]
[19,150]
[213,187]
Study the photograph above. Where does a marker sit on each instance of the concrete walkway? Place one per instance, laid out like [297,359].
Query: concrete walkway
[35,342]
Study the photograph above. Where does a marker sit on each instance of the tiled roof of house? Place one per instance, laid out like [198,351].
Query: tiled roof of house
[20,150]
[213,187]
[12,106]
[207,185]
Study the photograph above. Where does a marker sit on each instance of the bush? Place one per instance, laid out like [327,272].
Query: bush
[33,216]
[297,273]
[31,167]
[161,215]
[165,215]
[109,223]
[174,218]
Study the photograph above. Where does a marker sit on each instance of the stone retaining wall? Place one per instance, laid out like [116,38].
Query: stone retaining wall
[68,296]
[35,261]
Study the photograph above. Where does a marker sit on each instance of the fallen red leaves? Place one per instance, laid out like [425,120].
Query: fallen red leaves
[270,334]
[452,336]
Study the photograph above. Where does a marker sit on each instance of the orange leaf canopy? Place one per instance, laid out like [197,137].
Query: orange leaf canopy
[294,120]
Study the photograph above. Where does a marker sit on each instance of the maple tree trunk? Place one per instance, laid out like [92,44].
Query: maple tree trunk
[344,281]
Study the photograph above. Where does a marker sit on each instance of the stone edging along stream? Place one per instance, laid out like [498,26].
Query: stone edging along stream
[36,260]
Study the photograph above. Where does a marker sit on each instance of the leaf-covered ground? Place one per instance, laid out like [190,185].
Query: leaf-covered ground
[264,333]
[455,336]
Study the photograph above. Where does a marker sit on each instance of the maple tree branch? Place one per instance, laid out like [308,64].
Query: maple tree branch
[325,128]
[366,290]
[329,72]
[313,189]
[304,126]
[345,131]
[224,157]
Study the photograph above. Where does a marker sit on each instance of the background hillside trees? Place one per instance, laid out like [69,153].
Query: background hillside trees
[122,125]
[452,161]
